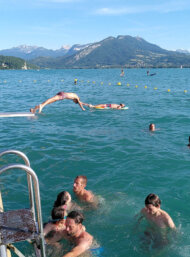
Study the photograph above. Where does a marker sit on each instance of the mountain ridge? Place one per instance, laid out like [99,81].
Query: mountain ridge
[120,51]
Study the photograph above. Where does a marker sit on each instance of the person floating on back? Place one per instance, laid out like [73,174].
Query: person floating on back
[57,97]
[104,106]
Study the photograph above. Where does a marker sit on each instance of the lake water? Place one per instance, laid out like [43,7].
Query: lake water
[123,161]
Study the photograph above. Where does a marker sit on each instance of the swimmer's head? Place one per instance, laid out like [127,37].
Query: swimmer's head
[62,198]
[74,223]
[153,200]
[122,105]
[76,100]
[58,213]
[152,127]
[79,183]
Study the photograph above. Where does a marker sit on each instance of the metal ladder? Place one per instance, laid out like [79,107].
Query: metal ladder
[24,224]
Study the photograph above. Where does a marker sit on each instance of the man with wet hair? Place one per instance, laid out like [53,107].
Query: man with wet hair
[74,232]
[153,213]
[80,191]
[152,127]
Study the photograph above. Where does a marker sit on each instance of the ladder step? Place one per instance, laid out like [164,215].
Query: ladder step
[16,226]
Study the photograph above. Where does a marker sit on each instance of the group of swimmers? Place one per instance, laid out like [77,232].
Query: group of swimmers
[67,219]
[76,99]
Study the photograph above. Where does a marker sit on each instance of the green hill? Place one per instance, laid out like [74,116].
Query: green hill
[10,63]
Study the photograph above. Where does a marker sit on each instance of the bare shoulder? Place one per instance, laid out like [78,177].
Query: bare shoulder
[165,214]
[48,227]
[143,211]
[85,237]
[167,219]
[89,196]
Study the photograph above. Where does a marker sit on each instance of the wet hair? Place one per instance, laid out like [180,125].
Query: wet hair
[153,199]
[58,213]
[76,100]
[151,125]
[121,104]
[62,198]
[76,216]
[83,178]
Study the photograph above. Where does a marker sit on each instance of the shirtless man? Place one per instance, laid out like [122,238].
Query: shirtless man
[111,106]
[152,127]
[57,97]
[80,191]
[75,232]
[154,214]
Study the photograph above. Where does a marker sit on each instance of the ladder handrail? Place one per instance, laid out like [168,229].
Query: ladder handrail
[29,180]
[19,153]
[31,172]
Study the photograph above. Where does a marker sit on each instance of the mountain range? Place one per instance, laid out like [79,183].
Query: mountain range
[120,51]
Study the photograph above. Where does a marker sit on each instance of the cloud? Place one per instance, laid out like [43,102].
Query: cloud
[166,7]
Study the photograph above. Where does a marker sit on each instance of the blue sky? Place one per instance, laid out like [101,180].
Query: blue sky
[54,23]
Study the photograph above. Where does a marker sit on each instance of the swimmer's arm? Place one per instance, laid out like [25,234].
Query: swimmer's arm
[89,105]
[85,104]
[89,197]
[47,228]
[80,103]
[170,222]
[78,250]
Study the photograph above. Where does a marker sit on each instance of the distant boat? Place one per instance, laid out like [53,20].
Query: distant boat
[24,67]
[181,67]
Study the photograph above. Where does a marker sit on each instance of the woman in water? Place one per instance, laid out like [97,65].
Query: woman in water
[111,106]
[59,96]
[64,203]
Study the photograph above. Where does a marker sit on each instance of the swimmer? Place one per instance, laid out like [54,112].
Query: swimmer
[75,232]
[152,127]
[65,203]
[189,142]
[154,214]
[122,73]
[59,96]
[53,229]
[111,106]
[80,191]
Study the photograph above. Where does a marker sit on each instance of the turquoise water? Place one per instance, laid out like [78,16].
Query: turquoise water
[123,161]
